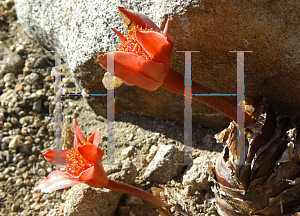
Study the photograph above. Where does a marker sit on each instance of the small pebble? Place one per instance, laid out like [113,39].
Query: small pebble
[37,123]
[19,49]
[26,71]
[41,172]
[19,182]
[7,139]
[19,87]
[27,197]
[7,125]
[19,165]
[127,152]
[14,121]
[9,78]
[1,177]
[33,158]
[49,170]
[24,120]
[9,180]
[17,173]
[37,105]
[14,143]
[31,78]
[15,207]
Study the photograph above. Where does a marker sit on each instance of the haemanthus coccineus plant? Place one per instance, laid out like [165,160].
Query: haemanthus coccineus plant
[83,164]
[268,182]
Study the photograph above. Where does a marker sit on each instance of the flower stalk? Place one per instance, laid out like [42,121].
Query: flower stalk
[129,189]
[174,82]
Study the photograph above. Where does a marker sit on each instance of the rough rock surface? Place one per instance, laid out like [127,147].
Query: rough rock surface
[85,200]
[197,174]
[163,166]
[270,29]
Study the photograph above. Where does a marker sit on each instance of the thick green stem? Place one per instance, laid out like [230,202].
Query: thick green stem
[174,82]
[125,188]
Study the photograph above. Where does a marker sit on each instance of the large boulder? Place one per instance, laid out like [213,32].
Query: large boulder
[81,30]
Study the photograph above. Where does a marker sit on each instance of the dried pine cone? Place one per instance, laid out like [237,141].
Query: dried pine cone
[269,181]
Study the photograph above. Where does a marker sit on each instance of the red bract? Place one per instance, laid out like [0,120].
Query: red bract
[82,163]
[144,55]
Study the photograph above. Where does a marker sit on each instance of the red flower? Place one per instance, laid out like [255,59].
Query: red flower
[144,55]
[83,164]
[143,59]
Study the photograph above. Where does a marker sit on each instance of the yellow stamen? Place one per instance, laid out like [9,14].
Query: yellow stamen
[130,44]
[76,163]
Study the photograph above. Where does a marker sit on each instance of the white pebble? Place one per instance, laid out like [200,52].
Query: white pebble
[19,49]
[7,139]
[8,78]
[127,152]
[14,143]
[31,78]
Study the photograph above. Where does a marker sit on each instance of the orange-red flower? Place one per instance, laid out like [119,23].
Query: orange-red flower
[82,163]
[144,55]
[143,59]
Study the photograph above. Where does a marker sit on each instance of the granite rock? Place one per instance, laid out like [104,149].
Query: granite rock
[270,29]
[165,165]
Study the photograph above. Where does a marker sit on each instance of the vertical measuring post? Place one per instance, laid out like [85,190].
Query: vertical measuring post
[57,110]
[240,98]
[188,141]
[110,126]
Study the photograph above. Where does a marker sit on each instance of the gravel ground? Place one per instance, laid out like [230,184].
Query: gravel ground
[26,131]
